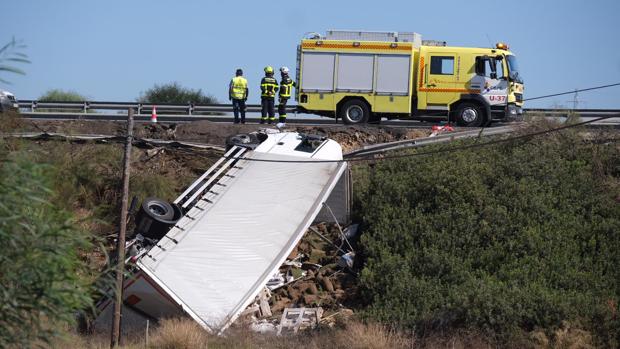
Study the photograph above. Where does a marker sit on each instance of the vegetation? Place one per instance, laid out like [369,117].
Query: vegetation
[175,94]
[40,268]
[186,333]
[59,95]
[504,239]
[92,188]
[50,270]
[10,54]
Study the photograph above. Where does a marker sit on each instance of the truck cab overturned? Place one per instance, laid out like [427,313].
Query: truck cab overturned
[364,76]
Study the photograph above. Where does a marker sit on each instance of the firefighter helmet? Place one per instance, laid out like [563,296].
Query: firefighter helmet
[284,70]
[268,70]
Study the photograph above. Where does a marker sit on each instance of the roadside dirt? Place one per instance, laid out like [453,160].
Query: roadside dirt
[349,137]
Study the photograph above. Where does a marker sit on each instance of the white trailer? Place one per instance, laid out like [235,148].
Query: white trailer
[243,218]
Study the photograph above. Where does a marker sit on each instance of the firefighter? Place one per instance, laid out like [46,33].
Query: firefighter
[286,87]
[268,88]
[238,94]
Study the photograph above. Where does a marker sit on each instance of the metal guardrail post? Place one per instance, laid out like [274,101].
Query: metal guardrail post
[190,109]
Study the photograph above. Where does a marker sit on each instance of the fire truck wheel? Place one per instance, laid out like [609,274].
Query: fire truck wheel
[469,115]
[158,208]
[354,111]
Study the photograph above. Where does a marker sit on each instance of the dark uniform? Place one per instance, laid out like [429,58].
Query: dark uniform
[268,88]
[286,87]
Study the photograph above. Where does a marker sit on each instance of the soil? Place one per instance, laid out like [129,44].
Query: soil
[349,137]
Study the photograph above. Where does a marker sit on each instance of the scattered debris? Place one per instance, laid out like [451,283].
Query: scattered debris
[440,129]
[349,137]
[346,260]
[295,319]
[263,327]
[351,231]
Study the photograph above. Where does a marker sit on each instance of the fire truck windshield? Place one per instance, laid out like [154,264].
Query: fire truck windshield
[513,68]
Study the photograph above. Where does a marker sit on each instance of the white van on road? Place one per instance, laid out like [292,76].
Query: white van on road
[7,101]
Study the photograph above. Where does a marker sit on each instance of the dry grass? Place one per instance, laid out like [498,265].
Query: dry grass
[185,333]
[358,336]
[179,334]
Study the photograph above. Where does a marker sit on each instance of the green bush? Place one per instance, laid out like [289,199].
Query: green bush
[41,272]
[502,239]
[175,94]
[58,95]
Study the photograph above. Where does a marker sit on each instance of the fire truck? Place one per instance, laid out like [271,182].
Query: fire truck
[361,76]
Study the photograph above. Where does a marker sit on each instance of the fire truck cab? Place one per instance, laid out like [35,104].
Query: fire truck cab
[361,77]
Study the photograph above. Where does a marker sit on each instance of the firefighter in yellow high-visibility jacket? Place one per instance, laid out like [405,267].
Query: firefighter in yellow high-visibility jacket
[268,88]
[286,87]
[238,94]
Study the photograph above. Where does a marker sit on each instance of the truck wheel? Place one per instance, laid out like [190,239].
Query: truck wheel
[246,140]
[469,115]
[156,217]
[354,112]
[158,208]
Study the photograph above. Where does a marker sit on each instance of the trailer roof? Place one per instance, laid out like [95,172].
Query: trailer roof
[230,248]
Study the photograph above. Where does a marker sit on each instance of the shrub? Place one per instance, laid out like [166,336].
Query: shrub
[175,94]
[59,95]
[40,267]
[502,239]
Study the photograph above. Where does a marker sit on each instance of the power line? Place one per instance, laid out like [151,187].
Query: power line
[573,91]
[438,151]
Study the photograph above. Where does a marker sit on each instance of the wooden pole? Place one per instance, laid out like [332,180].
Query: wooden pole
[120,247]
[146,337]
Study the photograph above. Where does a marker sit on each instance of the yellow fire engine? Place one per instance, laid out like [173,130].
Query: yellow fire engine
[364,76]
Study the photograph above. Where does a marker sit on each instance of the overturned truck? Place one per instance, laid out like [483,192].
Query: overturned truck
[209,253]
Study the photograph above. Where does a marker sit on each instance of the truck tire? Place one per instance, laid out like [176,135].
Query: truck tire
[245,140]
[354,112]
[469,115]
[156,217]
[158,208]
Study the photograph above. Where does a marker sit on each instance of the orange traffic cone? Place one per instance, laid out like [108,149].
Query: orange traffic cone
[154,114]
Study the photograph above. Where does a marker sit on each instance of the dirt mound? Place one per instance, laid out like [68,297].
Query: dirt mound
[350,137]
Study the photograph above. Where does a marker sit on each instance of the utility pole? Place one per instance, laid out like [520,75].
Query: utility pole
[575,100]
[120,247]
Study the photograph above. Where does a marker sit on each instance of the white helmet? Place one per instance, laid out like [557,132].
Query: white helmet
[284,70]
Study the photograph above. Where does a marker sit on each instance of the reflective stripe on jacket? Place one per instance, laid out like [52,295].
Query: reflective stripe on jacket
[286,87]
[268,87]
[238,87]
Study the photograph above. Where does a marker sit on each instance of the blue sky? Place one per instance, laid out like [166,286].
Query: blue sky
[113,50]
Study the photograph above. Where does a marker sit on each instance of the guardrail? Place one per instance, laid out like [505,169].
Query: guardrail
[139,108]
[206,109]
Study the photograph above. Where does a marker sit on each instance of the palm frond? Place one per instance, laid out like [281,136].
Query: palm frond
[10,69]
[10,53]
